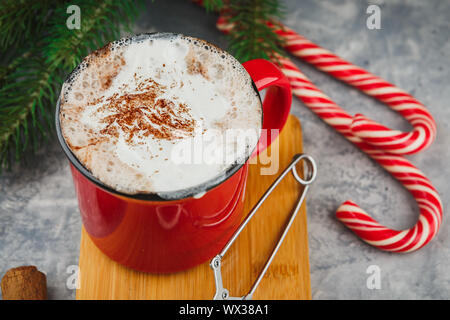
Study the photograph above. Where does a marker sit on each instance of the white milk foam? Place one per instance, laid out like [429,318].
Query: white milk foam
[130,107]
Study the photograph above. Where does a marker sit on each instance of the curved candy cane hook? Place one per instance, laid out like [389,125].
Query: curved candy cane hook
[380,143]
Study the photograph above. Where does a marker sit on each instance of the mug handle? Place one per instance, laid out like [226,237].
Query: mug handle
[277,102]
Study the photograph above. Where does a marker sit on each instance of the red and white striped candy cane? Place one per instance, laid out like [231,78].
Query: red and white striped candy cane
[380,143]
[392,141]
[406,173]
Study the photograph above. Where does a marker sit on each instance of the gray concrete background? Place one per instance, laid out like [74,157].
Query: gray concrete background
[39,219]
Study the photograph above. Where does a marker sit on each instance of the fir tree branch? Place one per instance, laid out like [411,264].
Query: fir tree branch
[250,38]
[9,68]
[31,82]
[101,23]
[20,20]
[25,109]
[213,5]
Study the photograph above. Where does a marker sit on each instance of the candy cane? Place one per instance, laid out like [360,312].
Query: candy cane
[406,173]
[380,143]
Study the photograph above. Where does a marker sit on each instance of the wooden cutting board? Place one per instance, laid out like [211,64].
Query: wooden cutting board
[287,277]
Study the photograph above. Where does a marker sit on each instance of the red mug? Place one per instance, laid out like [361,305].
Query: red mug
[151,234]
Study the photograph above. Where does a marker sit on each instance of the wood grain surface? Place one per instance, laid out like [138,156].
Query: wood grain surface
[287,278]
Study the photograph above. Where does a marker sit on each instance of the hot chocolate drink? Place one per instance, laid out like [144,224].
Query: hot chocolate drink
[130,109]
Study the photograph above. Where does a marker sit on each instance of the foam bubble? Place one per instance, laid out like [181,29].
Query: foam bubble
[130,104]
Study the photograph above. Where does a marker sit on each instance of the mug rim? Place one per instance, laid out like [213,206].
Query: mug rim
[153,196]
